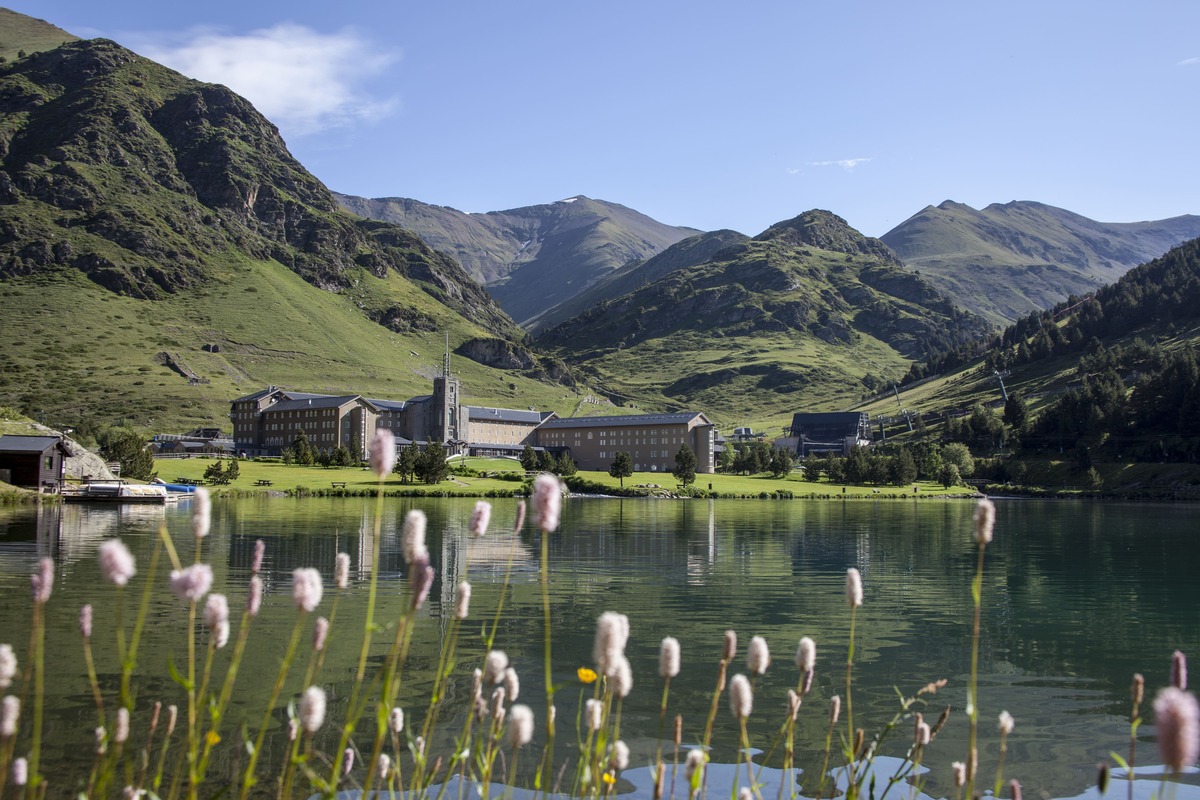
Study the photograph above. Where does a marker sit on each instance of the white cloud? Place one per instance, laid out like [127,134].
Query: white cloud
[845,163]
[1190,62]
[302,80]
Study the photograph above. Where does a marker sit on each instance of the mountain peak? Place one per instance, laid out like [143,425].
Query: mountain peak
[828,231]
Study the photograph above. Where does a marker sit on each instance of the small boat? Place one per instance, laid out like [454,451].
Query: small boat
[118,492]
[175,488]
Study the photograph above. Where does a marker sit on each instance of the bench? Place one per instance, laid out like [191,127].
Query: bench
[338,484]
[262,482]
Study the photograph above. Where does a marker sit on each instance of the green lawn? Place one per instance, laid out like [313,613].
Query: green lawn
[358,479]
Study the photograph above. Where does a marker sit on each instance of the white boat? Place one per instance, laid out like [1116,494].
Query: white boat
[118,492]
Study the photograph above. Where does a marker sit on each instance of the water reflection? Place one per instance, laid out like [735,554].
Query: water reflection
[1078,596]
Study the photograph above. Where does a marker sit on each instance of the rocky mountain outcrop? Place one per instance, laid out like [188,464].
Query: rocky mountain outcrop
[138,177]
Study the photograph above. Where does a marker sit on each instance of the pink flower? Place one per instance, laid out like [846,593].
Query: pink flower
[1177,719]
[191,583]
[320,631]
[10,713]
[201,512]
[254,596]
[462,603]
[741,696]
[43,581]
[520,521]
[480,518]
[306,588]
[121,728]
[85,621]
[421,577]
[260,549]
[729,652]
[8,665]
[341,570]
[806,655]
[608,646]
[758,656]
[985,519]
[1179,670]
[312,709]
[396,720]
[216,619]
[20,771]
[520,726]
[547,502]
[854,588]
[116,562]
[619,759]
[494,665]
[413,537]
[668,658]
[382,452]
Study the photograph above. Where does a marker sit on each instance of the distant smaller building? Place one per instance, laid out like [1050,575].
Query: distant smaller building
[32,462]
[830,432]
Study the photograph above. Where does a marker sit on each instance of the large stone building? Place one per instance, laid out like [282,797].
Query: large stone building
[652,440]
[266,422]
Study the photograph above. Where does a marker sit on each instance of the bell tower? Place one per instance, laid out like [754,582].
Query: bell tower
[446,403]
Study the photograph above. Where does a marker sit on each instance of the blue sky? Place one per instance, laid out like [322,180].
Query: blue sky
[708,114]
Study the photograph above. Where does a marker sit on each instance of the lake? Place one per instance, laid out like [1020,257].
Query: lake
[1078,596]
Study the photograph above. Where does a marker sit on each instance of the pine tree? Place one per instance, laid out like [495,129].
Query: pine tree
[432,467]
[406,462]
[232,470]
[621,467]
[529,459]
[685,465]
[302,449]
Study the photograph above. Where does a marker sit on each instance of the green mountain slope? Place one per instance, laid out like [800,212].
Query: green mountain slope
[1008,260]
[798,317]
[690,252]
[22,34]
[143,213]
[535,257]
[1113,375]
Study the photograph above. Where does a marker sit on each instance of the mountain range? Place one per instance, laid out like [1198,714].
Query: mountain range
[531,258]
[149,220]
[161,251]
[1008,260]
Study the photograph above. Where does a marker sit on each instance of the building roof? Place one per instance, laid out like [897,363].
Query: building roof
[484,414]
[27,444]
[625,421]
[310,395]
[260,394]
[314,401]
[389,405]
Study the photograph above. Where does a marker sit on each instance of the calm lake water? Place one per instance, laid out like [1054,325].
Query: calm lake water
[1078,596]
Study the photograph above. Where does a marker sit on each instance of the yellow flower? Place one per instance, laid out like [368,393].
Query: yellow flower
[212,738]
[609,777]
[586,675]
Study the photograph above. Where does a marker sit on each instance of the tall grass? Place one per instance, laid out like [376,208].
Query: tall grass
[163,747]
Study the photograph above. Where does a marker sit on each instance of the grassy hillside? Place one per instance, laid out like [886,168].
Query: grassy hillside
[1008,260]
[768,327]
[690,252]
[19,33]
[161,252]
[86,352]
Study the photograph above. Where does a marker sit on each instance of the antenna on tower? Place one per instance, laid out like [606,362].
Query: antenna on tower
[446,358]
